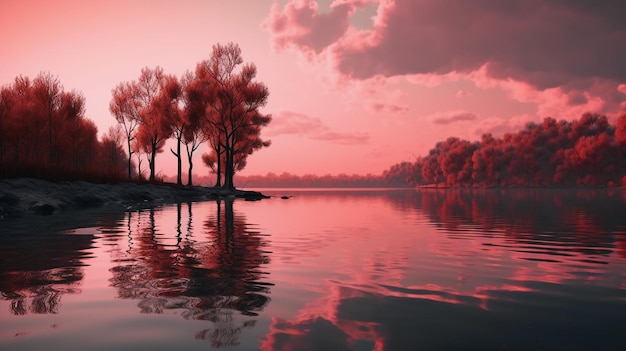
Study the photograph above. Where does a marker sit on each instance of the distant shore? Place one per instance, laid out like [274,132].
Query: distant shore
[27,196]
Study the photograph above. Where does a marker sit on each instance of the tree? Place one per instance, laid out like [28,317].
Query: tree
[154,126]
[195,131]
[231,98]
[138,151]
[585,152]
[145,101]
[5,97]
[193,137]
[112,155]
[620,136]
[47,91]
[168,104]
[44,132]
[620,130]
[123,107]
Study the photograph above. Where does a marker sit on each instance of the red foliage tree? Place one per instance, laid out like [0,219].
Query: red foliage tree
[620,136]
[150,102]
[123,107]
[584,152]
[229,97]
[44,133]
[196,131]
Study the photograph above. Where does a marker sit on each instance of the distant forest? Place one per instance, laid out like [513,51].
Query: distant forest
[584,152]
[288,180]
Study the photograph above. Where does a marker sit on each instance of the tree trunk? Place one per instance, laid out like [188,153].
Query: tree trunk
[189,176]
[229,171]
[152,159]
[130,154]
[179,179]
[190,160]
[218,183]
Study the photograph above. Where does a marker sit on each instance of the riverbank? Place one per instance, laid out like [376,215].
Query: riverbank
[27,196]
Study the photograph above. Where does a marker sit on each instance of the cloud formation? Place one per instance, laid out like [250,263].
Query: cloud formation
[395,109]
[452,117]
[300,24]
[575,46]
[463,94]
[287,122]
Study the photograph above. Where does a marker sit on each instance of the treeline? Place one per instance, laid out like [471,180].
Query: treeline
[288,180]
[584,152]
[44,134]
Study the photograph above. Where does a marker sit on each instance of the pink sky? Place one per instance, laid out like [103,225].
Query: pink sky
[355,85]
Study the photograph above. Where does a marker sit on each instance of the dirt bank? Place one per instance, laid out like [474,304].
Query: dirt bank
[27,196]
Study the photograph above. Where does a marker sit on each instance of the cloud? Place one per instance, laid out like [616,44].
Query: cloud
[452,117]
[287,122]
[573,46]
[500,126]
[622,88]
[301,25]
[463,94]
[395,109]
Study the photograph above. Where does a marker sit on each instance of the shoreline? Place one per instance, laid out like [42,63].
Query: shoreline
[21,197]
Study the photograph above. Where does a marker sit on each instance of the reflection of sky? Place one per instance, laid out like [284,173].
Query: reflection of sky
[443,250]
[380,270]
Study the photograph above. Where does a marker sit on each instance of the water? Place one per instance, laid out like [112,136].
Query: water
[324,270]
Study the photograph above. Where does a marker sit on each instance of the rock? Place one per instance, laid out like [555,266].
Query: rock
[42,208]
[87,201]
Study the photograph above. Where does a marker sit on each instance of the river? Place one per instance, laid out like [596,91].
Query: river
[446,269]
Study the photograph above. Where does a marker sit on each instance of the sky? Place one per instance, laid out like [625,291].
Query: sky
[355,85]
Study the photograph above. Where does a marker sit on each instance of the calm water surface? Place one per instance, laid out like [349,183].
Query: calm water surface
[325,270]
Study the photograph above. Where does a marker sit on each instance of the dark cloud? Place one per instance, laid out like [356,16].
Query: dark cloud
[544,43]
[573,45]
[577,99]
[301,24]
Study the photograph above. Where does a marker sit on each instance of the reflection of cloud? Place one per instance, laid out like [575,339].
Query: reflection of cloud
[452,117]
[504,262]
[287,122]
[314,334]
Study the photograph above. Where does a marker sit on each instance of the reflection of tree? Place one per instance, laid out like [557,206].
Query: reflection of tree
[36,269]
[584,220]
[215,276]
